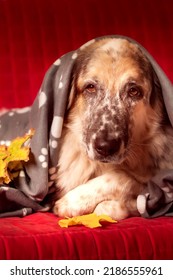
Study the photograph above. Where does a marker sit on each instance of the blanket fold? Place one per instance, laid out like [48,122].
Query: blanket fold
[157,200]
[46,116]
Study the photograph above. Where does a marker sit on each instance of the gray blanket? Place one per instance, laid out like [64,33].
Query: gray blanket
[27,193]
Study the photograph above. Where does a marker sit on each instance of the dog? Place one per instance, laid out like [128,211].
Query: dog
[116,133]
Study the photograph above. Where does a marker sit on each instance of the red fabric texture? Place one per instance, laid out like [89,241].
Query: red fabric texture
[39,236]
[32,35]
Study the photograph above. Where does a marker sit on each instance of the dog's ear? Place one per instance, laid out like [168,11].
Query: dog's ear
[156,89]
[72,95]
[73,85]
[79,68]
[156,99]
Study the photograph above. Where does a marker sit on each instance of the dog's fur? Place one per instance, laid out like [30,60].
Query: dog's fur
[116,134]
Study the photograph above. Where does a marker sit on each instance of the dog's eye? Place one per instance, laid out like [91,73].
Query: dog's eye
[134,91]
[90,88]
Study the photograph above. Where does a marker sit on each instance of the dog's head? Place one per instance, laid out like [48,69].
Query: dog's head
[114,99]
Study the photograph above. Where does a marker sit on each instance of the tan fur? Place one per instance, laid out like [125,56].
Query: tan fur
[88,181]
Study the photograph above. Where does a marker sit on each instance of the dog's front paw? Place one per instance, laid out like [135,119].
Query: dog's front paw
[72,204]
[111,208]
[64,207]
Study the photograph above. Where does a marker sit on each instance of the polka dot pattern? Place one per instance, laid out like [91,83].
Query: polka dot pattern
[5,142]
[24,212]
[56,126]
[53,144]
[23,110]
[46,117]
[74,56]
[43,157]
[44,151]
[57,62]
[27,143]
[42,99]
[22,174]
[11,114]
[44,164]
[141,203]
[60,83]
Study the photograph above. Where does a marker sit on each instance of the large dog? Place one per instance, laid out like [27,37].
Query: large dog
[116,134]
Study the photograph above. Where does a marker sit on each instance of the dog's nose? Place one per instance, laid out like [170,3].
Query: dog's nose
[107,147]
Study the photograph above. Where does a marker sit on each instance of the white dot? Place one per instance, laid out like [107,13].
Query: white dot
[54,144]
[44,151]
[44,164]
[60,85]
[141,203]
[23,110]
[41,158]
[24,210]
[7,142]
[52,170]
[11,114]
[57,62]
[22,173]
[74,56]
[57,126]
[5,188]
[42,99]
[27,143]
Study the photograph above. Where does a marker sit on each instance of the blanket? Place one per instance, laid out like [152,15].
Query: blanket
[27,192]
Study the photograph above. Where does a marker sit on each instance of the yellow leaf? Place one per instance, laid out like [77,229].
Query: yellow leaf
[89,220]
[17,151]
[3,155]
[11,157]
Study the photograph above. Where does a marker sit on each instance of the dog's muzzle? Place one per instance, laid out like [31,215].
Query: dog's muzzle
[106,134]
[107,147]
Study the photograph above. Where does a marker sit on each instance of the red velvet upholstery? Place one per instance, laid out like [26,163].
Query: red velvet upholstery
[39,236]
[32,35]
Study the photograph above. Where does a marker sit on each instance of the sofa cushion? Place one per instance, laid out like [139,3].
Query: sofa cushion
[38,236]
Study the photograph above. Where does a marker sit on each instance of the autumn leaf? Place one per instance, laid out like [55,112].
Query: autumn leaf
[12,156]
[89,220]
[3,155]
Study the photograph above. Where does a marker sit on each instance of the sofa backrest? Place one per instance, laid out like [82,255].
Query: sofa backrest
[35,33]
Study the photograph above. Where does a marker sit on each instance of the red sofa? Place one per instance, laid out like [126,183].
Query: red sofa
[32,35]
